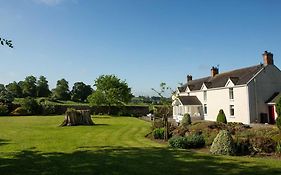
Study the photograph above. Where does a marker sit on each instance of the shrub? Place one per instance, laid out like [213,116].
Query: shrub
[30,105]
[243,147]
[19,111]
[178,142]
[278,122]
[262,144]
[3,109]
[186,120]
[48,109]
[221,117]
[158,133]
[278,147]
[223,144]
[195,141]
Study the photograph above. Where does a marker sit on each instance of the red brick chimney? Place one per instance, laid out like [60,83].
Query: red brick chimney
[188,78]
[267,58]
[214,71]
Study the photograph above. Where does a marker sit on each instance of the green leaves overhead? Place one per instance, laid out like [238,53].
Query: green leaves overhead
[6,42]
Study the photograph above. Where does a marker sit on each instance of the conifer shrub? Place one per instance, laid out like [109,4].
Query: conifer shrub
[186,120]
[178,142]
[221,117]
[223,144]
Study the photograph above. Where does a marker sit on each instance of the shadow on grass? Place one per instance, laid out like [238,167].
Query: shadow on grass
[120,160]
[3,142]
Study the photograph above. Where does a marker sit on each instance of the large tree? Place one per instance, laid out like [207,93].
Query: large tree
[110,90]
[43,87]
[80,92]
[5,96]
[15,89]
[61,92]
[29,88]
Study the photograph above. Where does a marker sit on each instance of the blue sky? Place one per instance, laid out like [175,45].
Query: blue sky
[144,42]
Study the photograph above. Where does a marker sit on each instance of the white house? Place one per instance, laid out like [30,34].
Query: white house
[246,95]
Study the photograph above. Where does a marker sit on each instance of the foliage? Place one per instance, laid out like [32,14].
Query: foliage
[278,148]
[19,111]
[195,141]
[158,133]
[186,120]
[3,109]
[110,90]
[278,107]
[223,144]
[29,88]
[278,122]
[80,92]
[7,42]
[5,96]
[43,87]
[178,142]
[61,92]
[221,117]
[15,89]
[47,109]
[262,144]
[30,105]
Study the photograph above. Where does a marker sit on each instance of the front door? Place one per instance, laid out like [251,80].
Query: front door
[271,113]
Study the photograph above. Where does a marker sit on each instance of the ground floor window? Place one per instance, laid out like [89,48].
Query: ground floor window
[205,109]
[231,110]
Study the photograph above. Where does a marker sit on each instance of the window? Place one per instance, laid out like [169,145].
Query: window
[205,95]
[231,97]
[205,109]
[231,110]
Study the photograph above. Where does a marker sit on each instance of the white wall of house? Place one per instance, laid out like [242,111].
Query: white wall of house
[261,88]
[219,99]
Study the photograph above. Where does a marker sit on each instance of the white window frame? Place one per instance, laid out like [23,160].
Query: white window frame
[231,107]
[205,95]
[231,93]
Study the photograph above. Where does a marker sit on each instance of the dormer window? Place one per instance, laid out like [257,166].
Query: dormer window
[231,96]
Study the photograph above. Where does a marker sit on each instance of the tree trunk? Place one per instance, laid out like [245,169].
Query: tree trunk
[77,117]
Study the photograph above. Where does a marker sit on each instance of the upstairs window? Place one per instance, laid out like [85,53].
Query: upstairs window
[205,95]
[231,96]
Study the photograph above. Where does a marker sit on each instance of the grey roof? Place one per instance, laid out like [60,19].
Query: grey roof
[189,100]
[274,98]
[238,77]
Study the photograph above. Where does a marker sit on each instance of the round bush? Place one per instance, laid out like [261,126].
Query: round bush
[178,142]
[30,105]
[278,122]
[158,133]
[3,109]
[186,120]
[195,141]
[221,117]
[223,144]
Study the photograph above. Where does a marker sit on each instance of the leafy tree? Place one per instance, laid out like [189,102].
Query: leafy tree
[30,105]
[61,92]
[5,96]
[278,111]
[29,87]
[7,42]
[110,90]
[15,89]
[80,92]
[43,87]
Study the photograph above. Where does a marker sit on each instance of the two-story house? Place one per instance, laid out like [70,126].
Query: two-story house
[246,95]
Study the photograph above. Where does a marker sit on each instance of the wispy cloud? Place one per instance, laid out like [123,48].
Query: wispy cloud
[50,2]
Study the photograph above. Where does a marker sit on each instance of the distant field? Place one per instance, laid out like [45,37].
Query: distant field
[116,145]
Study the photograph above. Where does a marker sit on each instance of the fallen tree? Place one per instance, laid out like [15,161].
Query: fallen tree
[77,117]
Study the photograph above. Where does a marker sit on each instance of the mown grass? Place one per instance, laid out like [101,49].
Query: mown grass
[116,145]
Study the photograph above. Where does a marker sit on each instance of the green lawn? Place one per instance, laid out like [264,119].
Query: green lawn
[116,145]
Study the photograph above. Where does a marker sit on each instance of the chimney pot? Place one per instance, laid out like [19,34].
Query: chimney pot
[188,78]
[267,58]
[214,71]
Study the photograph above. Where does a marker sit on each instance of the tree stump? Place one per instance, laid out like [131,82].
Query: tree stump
[77,117]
